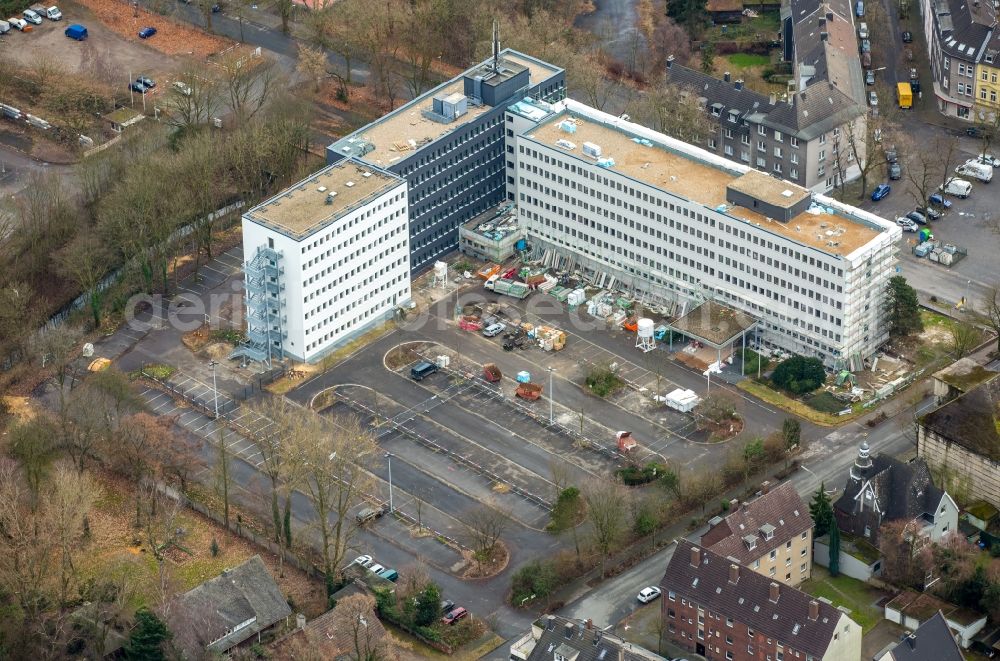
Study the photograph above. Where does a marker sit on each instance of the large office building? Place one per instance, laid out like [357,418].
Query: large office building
[449,145]
[324,260]
[678,224]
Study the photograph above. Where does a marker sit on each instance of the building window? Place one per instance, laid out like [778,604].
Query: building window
[711,143]
[728,149]
[793,173]
[774,554]
[984,75]
[963,112]
[821,156]
[777,168]
[729,133]
[777,152]
[756,563]
[803,568]
[761,163]
[745,155]
[778,136]
[822,139]
[993,77]
[794,158]
[761,130]
[761,146]
[793,141]
[993,96]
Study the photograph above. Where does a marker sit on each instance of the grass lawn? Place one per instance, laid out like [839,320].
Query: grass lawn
[848,592]
[748,60]
[801,409]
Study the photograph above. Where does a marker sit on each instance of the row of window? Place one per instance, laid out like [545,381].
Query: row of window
[347,260]
[341,292]
[381,302]
[360,318]
[333,250]
[339,228]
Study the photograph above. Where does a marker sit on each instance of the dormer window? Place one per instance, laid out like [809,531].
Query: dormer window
[733,116]
[767,531]
[750,541]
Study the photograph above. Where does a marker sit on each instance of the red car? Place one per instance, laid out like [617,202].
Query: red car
[454,615]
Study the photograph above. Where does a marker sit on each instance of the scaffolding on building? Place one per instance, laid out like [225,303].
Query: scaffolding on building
[265,302]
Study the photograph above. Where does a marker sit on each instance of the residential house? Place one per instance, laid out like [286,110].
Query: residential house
[238,605]
[932,641]
[554,638]
[960,441]
[771,535]
[912,609]
[988,81]
[804,136]
[336,634]
[714,607]
[883,489]
[959,34]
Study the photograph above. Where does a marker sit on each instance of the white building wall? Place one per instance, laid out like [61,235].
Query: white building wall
[846,643]
[343,278]
[811,302]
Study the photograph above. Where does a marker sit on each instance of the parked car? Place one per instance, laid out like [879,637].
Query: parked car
[147,32]
[363,560]
[422,370]
[869,77]
[136,86]
[973,168]
[862,30]
[389,575]
[148,82]
[182,88]
[930,212]
[19,23]
[907,37]
[890,155]
[31,17]
[76,31]
[957,187]
[872,99]
[647,595]
[494,329]
[895,171]
[940,200]
[988,159]
[866,60]
[917,217]
[880,192]
[454,615]
[877,136]
[447,606]
[375,568]
[907,224]
[4,27]
[866,45]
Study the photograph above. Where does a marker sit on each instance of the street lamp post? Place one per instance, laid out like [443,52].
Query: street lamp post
[388,458]
[551,396]
[215,390]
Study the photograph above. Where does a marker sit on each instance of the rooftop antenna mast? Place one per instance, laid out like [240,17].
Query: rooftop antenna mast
[496,46]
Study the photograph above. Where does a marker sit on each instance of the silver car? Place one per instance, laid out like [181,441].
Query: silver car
[494,329]
[872,99]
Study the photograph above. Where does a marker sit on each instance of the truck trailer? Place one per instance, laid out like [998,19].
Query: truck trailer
[904,94]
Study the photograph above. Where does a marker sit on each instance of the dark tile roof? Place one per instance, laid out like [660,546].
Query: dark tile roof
[327,635]
[971,420]
[964,26]
[810,113]
[748,600]
[205,617]
[903,490]
[922,606]
[932,641]
[781,508]
[591,644]
[833,59]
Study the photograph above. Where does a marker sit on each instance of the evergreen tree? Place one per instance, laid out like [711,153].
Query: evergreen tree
[145,642]
[821,511]
[428,607]
[904,309]
[834,550]
[791,430]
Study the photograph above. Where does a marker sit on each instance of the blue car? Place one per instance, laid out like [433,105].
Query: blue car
[880,191]
[147,32]
[940,200]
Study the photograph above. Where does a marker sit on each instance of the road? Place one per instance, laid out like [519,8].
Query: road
[826,461]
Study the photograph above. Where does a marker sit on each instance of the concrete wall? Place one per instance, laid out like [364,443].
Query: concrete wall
[964,474]
[849,565]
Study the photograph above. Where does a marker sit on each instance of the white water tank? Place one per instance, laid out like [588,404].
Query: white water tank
[441,270]
[645,327]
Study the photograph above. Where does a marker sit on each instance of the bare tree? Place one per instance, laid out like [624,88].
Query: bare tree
[991,305]
[607,508]
[33,443]
[132,451]
[924,170]
[223,479]
[863,147]
[250,83]
[335,459]
[964,338]
[195,104]
[84,262]
[312,64]
[674,111]
[484,525]
[70,500]
[273,442]
[356,615]
[55,349]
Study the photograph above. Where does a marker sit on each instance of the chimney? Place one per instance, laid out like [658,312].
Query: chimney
[813,610]
[568,631]
[590,624]
[670,61]
[765,486]
[300,621]
[551,622]
[725,76]
[734,504]
[734,573]
[695,556]
[739,84]
[774,593]
[911,640]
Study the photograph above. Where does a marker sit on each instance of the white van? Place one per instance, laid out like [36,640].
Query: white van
[4,27]
[977,170]
[957,187]
[863,31]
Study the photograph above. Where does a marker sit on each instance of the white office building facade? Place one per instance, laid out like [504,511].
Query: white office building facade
[344,273]
[813,300]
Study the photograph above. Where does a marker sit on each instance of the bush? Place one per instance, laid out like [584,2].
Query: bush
[635,475]
[755,363]
[537,579]
[602,381]
[799,375]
